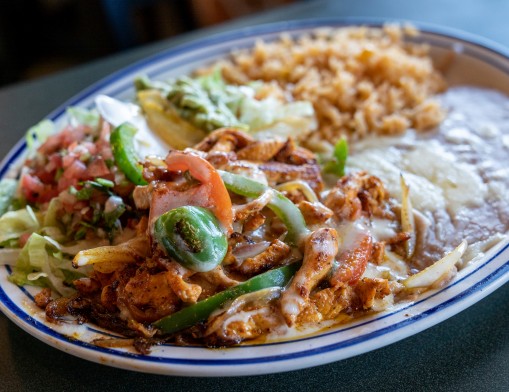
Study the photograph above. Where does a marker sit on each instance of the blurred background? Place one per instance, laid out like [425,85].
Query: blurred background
[39,37]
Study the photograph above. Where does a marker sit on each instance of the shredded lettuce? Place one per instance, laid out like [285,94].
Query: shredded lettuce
[51,217]
[8,187]
[209,103]
[269,114]
[42,263]
[54,232]
[79,116]
[8,256]
[13,224]
[273,116]
[281,112]
[38,134]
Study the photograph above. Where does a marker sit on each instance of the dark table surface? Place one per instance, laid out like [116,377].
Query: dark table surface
[468,352]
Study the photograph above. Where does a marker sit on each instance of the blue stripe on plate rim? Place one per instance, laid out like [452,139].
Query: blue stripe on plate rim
[486,285]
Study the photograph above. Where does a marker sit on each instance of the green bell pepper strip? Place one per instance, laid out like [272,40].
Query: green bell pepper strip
[339,156]
[284,209]
[124,153]
[200,311]
[192,236]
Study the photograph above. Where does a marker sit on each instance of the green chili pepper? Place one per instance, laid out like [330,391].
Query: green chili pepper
[339,155]
[193,236]
[122,145]
[284,209]
[200,311]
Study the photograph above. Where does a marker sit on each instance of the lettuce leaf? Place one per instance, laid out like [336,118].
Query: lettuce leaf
[209,103]
[79,116]
[41,263]
[272,117]
[38,134]
[8,187]
[13,224]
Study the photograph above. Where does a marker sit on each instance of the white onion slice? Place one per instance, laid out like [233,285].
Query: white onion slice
[407,218]
[245,251]
[431,274]
[300,185]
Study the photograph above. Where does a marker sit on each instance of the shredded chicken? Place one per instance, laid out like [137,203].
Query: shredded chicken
[295,155]
[218,278]
[242,212]
[326,304]
[320,250]
[269,258]
[224,140]
[150,297]
[314,213]
[330,302]
[278,173]
[87,286]
[43,298]
[369,289]
[261,150]
[245,324]
[357,193]
[281,161]
[253,222]
[176,276]
[136,282]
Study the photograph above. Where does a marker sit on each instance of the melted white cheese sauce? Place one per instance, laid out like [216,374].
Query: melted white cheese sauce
[436,177]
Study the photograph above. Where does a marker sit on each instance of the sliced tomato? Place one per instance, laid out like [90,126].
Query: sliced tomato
[74,134]
[103,143]
[68,160]
[23,239]
[210,193]
[62,139]
[77,170]
[66,183]
[35,191]
[97,168]
[54,163]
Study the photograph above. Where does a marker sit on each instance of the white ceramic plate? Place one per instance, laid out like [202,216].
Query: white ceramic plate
[475,61]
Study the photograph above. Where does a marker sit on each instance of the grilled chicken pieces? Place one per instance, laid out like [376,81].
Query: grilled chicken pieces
[140,283]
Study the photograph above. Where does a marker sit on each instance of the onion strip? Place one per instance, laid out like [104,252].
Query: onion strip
[434,272]
[300,186]
[407,218]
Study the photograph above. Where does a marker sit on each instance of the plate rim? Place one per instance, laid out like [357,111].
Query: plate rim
[480,290]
